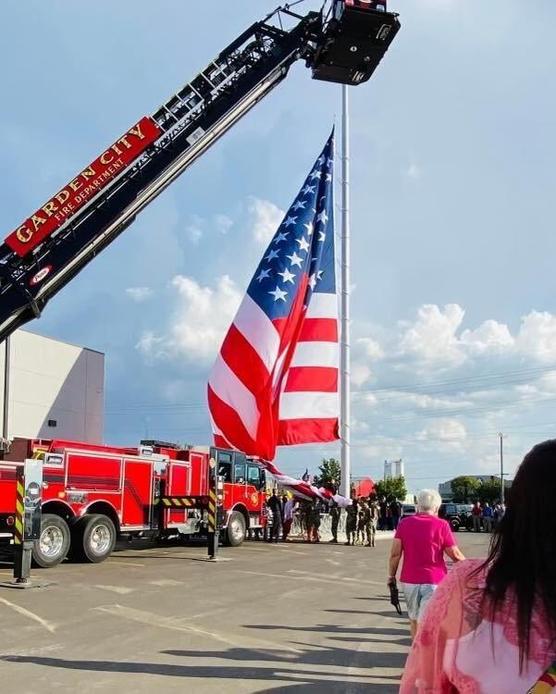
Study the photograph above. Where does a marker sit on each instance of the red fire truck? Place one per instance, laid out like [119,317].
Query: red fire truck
[95,495]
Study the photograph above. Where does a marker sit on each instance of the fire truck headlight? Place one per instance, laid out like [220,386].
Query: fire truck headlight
[10,520]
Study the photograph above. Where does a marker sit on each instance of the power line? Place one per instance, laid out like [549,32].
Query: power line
[412,387]
[464,411]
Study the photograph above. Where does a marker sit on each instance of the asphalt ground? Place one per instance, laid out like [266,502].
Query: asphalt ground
[265,618]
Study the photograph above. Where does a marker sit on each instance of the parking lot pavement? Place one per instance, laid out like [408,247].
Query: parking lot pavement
[266,618]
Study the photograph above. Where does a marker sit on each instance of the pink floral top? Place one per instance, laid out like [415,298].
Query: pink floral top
[457,649]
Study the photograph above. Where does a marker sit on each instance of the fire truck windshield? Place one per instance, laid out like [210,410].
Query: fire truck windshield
[239,473]
[254,475]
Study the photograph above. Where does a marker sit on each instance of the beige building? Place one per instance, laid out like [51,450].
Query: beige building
[55,389]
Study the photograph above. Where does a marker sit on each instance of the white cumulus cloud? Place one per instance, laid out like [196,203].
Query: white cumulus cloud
[360,374]
[432,337]
[371,348]
[489,336]
[265,217]
[444,430]
[537,336]
[200,320]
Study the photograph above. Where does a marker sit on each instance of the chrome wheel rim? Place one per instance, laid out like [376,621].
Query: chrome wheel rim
[51,541]
[100,539]
[236,529]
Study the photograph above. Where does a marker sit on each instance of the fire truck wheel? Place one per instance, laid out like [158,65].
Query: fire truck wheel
[94,538]
[54,542]
[235,532]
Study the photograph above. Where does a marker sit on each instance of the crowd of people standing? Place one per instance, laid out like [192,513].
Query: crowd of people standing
[364,517]
[487,517]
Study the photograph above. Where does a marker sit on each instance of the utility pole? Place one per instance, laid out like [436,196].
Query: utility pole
[345,404]
[502,485]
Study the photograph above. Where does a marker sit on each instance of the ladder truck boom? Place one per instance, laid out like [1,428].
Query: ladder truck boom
[51,247]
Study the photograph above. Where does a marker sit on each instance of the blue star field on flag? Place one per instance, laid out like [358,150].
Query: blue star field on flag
[301,253]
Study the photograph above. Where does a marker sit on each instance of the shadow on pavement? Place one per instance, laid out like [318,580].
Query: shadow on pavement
[199,671]
[313,655]
[333,688]
[397,642]
[208,671]
[301,667]
[391,614]
[336,629]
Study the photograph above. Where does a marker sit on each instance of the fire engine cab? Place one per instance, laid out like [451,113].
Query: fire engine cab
[95,495]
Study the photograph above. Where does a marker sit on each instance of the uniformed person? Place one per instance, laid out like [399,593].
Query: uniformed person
[351,521]
[374,512]
[304,513]
[335,519]
[314,522]
[363,520]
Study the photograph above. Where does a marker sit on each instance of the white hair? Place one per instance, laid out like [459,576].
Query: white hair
[428,501]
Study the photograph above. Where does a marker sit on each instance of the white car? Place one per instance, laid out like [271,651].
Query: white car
[408,510]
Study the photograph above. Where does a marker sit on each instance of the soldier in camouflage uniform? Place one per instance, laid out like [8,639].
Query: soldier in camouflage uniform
[351,521]
[314,522]
[374,512]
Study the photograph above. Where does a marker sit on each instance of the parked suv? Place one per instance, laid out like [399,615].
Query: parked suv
[457,515]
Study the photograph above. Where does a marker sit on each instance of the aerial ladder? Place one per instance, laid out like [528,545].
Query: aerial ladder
[343,43]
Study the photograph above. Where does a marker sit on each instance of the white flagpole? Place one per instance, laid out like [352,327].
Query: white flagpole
[345,400]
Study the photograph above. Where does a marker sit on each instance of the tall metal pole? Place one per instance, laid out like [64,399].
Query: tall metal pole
[345,404]
[502,486]
[6,394]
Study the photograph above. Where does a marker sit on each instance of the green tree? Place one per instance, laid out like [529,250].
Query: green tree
[394,486]
[465,489]
[329,473]
[490,490]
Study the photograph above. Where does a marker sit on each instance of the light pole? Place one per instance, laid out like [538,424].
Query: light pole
[502,486]
[345,399]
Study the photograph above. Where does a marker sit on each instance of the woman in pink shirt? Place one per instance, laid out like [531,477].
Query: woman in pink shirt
[491,625]
[422,540]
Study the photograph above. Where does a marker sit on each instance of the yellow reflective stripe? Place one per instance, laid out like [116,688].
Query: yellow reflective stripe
[20,489]
[186,501]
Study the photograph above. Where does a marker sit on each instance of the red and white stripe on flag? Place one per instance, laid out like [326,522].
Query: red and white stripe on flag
[275,381]
[309,403]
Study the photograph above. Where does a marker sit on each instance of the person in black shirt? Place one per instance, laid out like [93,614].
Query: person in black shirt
[383,507]
[395,513]
[351,521]
[275,506]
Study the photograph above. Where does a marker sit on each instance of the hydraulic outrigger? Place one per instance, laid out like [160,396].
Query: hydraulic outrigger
[41,256]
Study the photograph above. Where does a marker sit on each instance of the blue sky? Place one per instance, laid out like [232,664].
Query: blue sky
[454,315]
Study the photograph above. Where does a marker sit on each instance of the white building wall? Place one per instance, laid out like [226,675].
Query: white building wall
[53,380]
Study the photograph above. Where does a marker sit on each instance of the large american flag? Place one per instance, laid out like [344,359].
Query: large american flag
[275,381]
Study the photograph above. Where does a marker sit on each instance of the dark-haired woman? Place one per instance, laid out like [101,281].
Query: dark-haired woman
[491,625]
